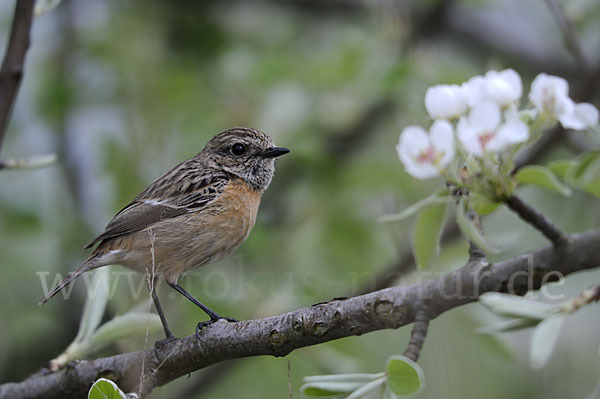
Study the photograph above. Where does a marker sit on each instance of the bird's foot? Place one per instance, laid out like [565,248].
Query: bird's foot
[203,324]
[160,344]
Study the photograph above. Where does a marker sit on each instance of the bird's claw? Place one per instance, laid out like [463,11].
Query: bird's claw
[159,345]
[203,324]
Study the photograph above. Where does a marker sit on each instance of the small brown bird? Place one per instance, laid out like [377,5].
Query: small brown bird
[195,214]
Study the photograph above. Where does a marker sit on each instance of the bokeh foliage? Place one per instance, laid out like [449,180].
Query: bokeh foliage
[123,90]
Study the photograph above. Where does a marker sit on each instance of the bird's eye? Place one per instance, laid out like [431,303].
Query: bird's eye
[238,149]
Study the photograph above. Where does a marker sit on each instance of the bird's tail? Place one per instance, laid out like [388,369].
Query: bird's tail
[89,264]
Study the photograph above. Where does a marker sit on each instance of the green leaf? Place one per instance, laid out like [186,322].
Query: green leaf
[544,340]
[358,377]
[105,389]
[368,389]
[482,205]
[329,389]
[560,167]
[129,324]
[441,197]
[509,325]
[337,384]
[586,174]
[405,377]
[94,305]
[543,177]
[426,234]
[514,306]
[469,230]
[581,163]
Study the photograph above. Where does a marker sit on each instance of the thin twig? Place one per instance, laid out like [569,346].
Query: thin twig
[11,71]
[568,33]
[475,253]
[590,295]
[417,336]
[537,220]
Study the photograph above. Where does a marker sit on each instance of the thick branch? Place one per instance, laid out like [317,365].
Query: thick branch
[537,220]
[279,335]
[11,71]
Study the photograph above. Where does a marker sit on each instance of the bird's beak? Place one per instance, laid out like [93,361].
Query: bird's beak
[275,152]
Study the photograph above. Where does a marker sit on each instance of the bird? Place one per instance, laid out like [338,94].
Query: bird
[195,214]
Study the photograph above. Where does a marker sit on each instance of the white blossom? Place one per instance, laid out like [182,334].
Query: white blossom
[422,154]
[503,88]
[473,90]
[483,131]
[513,130]
[586,114]
[445,101]
[550,95]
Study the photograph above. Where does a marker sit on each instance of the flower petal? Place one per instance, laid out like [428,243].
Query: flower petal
[512,131]
[468,137]
[519,130]
[548,93]
[485,116]
[414,140]
[568,117]
[474,90]
[445,101]
[587,113]
[442,138]
[421,171]
[504,87]
[514,80]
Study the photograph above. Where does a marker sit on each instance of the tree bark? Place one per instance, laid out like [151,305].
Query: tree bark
[11,72]
[279,335]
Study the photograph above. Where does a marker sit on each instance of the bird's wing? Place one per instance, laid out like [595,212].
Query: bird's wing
[165,198]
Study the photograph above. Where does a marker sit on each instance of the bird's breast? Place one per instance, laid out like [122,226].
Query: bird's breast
[233,214]
[177,245]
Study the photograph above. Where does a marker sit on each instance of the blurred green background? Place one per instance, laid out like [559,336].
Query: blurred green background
[124,90]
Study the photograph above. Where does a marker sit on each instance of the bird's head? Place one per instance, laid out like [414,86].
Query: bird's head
[246,153]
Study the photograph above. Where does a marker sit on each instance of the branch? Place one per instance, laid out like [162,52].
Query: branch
[11,71]
[279,335]
[568,33]
[476,254]
[417,336]
[537,220]
[588,296]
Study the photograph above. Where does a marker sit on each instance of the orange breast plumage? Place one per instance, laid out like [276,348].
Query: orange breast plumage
[176,245]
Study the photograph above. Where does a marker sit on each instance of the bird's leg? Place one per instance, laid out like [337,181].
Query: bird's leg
[169,335]
[212,314]
[161,314]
